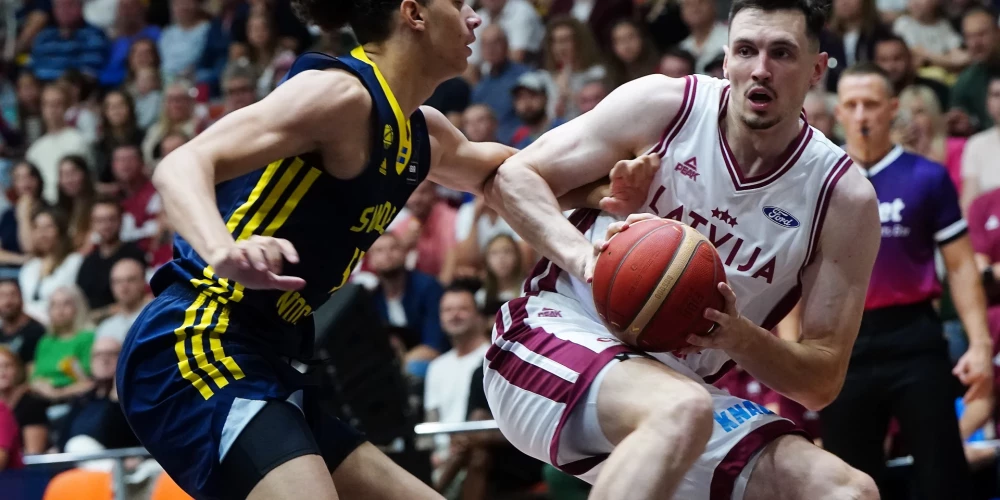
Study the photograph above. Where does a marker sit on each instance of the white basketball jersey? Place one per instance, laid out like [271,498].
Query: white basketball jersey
[765,228]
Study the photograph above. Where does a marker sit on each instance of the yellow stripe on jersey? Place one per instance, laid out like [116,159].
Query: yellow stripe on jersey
[215,344]
[183,363]
[293,200]
[237,217]
[402,121]
[198,349]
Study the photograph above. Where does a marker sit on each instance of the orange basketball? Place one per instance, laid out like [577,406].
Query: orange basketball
[652,284]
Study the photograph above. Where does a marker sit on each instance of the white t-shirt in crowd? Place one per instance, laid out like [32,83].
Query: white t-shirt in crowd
[978,160]
[117,326]
[487,229]
[520,21]
[937,38]
[35,290]
[46,153]
[446,389]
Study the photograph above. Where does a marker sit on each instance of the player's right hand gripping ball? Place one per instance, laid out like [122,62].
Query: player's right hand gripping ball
[653,282]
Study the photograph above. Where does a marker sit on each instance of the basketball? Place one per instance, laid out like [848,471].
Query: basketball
[653,282]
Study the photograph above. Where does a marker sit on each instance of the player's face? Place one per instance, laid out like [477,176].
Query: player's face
[993,100]
[771,64]
[450,25]
[865,103]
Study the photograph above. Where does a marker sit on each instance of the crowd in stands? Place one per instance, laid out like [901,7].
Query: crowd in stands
[93,93]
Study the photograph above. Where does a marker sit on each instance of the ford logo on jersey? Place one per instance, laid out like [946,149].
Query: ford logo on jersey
[780,217]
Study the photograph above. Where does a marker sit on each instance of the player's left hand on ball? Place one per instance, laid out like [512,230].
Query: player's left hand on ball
[630,182]
[619,226]
[732,330]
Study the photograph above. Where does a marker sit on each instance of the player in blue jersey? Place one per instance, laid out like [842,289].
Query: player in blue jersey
[900,366]
[274,205]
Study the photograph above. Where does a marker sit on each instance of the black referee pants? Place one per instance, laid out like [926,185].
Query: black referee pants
[900,368]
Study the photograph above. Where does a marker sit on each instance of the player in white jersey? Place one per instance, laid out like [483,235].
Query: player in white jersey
[741,165]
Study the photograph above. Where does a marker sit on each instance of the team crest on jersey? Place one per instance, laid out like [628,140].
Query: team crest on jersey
[780,217]
[387,136]
[688,168]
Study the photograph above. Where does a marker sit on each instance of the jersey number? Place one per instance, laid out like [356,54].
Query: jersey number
[358,255]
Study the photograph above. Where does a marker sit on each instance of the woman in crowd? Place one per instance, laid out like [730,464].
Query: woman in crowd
[15,224]
[853,28]
[76,197]
[143,81]
[632,52]
[571,60]
[119,125]
[177,115]
[55,263]
[29,107]
[28,408]
[923,129]
[265,51]
[62,359]
[80,114]
[505,271]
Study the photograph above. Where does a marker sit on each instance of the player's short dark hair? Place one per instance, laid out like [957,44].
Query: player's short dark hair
[815,12]
[870,68]
[371,20]
[982,9]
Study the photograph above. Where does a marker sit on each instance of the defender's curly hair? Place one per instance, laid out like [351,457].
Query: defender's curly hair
[371,20]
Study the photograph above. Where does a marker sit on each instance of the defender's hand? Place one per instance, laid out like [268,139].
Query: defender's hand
[256,263]
[601,245]
[630,182]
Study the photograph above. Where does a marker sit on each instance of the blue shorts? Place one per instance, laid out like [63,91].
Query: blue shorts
[191,377]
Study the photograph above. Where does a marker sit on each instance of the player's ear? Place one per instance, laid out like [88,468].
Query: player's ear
[412,14]
[819,68]
[725,61]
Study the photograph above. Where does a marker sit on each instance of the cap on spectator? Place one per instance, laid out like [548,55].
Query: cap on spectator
[533,81]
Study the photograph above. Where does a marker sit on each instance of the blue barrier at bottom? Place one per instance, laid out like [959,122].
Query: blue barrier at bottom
[25,484]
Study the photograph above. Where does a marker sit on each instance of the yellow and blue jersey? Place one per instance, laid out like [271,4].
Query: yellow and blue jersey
[207,354]
[331,222]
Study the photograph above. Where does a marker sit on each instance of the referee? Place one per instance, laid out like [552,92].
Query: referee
[899,366]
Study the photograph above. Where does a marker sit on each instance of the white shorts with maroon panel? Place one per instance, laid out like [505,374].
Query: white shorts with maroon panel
[542,375]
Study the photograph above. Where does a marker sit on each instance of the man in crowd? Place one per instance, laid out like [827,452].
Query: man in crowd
[899,365]
[409,300]
[71,43]
[894,57]
[18,331]
[140,203]
[446,388]
[128,282]
[498,81]
[60,140]
[531,101]
[93,278]
[979,172]
[982,40]
[521,22]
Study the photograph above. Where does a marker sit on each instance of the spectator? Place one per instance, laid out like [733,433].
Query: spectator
[55,264]
[182,42]
[60,140]
[76,197]
[101,14]
[409,300]
[677,63]
[71,43]
[893,56]
[531,102]
[80,114]
[924,130]
[238,91]
[19,333]
[475,226]
[95,278]
[148,97]
[177,115]
[590,95]
[15,224]
[426,229]
[31,17]
[10,441]
[819,112]
[62,361]
[128,283]
[265,52]
[119,125]
[632,52]
[571,59]
[130,26]
[498,80]
[227,26]
[141,203]
[600,16]
[853,28]
[931,38]
[519,21]
[29,107]
[969,92]
[979,172]
[96,413]
[479,124]
[28,409]
[142,54]
[446,387]
[505,271]
[708,34]
[169,144]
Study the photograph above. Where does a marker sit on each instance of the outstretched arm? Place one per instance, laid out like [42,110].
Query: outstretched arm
[526,188]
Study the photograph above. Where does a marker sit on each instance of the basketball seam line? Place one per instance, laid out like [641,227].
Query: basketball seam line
[611,283]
